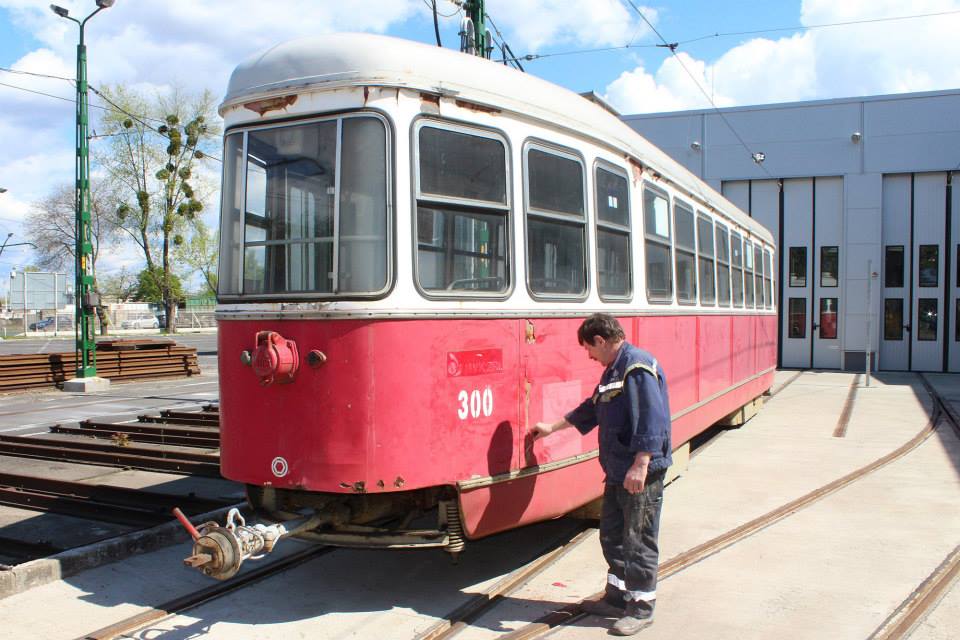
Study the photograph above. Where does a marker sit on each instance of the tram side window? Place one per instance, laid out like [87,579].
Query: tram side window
[748,274]
[768,279]
[231,221]
[723,266]
[615,270]
[685,256]
[656,226]
[556,223]
[462,211]
[736,268]
[314,209]
[706,260]
[759,274]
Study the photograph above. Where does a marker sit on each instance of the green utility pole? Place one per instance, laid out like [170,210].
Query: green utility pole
[475,12]
[86,299]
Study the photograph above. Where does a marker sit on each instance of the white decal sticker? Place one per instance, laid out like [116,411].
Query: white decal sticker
[475,403]
[279,467]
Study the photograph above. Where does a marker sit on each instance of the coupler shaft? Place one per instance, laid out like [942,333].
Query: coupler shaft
[218,551]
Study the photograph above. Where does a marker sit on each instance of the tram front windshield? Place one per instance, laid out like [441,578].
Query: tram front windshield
[305,209]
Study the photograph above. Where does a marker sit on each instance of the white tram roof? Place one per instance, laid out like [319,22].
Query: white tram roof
[359,59]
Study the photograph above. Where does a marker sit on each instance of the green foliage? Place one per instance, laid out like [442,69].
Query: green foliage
[150,286]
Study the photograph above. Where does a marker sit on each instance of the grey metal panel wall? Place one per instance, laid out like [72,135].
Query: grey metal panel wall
[912,134]
[675,135]
[800,141]
[862,233]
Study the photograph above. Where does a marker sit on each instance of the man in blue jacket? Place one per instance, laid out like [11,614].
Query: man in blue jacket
[633,411]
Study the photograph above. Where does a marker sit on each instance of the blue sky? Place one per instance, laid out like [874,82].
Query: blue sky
[155,44]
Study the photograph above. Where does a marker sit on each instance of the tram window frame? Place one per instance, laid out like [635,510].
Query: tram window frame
[736,270]
[454,208]
[893,277]
[233,286]
[559,219]
[749,299]
[613,229]
[685,252]
[722,247]
[923,279]
[768,290]
[923,327]
[706,261]
[657,241]
[758,273]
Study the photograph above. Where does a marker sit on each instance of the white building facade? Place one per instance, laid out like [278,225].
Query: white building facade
[849,188]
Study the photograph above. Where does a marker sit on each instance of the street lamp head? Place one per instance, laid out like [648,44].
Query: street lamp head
[3,190]
[60,11]
[105,4]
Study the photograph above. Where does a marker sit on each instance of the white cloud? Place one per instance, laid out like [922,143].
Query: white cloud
[534,24]
[852,60]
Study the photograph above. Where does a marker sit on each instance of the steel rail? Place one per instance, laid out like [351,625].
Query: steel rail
[840,430]
[202,416]
[199,428]
[461,617]
[193,421]
[159,436]
[191,600]
[125,457]
[686,559]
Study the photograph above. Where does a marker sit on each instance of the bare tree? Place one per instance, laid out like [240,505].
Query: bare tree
[51,226]
[155,155]
[199,253]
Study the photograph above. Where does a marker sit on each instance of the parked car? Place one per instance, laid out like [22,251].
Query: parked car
[144,321]
[42,325]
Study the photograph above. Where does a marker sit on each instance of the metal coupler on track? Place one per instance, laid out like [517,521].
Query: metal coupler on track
[218,551]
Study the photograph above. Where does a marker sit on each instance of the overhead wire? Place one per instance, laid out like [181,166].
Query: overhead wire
[757,158]
[113,105]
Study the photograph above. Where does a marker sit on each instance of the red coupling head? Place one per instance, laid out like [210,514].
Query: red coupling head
[275,359]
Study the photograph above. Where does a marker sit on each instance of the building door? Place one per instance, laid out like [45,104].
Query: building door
[919,291]
[827,298]
[897,252]
[952,277]
[928,277]
[796,314]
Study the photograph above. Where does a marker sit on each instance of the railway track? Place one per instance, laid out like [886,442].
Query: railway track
[153,443]
[898,625]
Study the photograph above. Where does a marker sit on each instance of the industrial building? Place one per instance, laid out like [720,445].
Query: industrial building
[858,193]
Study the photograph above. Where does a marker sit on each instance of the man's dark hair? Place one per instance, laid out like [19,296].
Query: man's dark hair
[600,324]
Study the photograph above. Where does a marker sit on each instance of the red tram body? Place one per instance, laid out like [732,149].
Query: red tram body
[416,339]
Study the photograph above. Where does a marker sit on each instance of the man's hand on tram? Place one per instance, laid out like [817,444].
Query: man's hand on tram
[543,429]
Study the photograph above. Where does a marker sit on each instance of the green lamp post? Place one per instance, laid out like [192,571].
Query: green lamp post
[86,299]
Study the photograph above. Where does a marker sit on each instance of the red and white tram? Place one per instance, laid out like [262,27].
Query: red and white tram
[410,238]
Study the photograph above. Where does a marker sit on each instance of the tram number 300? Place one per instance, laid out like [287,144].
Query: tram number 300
[474,404]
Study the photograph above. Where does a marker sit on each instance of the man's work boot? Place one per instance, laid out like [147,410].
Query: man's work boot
[611,605]
[637,616]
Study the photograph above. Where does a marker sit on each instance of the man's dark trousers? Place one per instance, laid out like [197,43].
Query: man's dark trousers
[629,527]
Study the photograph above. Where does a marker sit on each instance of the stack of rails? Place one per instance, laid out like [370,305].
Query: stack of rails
[173,442]
[116,359]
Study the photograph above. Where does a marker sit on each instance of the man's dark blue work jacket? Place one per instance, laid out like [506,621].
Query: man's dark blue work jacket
[632,408]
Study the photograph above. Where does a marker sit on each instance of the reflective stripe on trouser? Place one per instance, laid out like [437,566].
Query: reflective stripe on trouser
[629,526]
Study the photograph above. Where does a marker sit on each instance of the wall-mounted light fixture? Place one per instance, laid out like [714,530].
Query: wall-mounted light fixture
[758,157]
[695,145]
[855,137]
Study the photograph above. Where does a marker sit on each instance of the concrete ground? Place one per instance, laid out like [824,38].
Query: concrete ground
[835,569]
